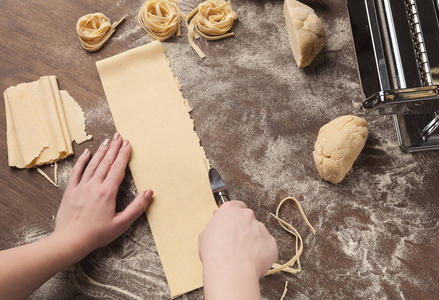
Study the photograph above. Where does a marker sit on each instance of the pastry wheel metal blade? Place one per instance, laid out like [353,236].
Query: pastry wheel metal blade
[219,190]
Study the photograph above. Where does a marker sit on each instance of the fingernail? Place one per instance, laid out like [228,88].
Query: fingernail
[125,143]
[116,136]
[106,142]
[85,151]
[148,194]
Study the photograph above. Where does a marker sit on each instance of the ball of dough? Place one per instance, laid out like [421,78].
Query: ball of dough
[338,145]
[305,31]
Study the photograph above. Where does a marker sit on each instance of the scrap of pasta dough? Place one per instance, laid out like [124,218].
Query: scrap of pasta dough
[305,31]
[94,30]
[38,129]
[285,291]
[75,119]
[338,145]
[288,266]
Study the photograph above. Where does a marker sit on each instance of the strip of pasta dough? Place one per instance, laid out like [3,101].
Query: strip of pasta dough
[285,291]
[55,178]
[149,110]
[287,267]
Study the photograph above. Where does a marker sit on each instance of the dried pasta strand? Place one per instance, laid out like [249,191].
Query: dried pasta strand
[211,20]
[55,174]
[94,30]
[299,242]
[55,183]
[285,291]
[160,18]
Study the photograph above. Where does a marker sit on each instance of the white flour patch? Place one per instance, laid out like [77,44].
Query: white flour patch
[26,235]
[132,188]
[378,222]
[64,170]
[127,269]
[133,260]
[127,33]
[364,245]
[130,27]
[98,114]
[109,287]
[339,35]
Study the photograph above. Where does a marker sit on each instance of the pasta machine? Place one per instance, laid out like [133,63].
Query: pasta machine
[397,51]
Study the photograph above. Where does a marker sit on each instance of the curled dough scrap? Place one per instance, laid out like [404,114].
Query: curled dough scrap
[299,242]
[160,18]
[211,20]
[94,30]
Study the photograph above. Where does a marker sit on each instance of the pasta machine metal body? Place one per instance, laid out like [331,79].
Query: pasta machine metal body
[397,50]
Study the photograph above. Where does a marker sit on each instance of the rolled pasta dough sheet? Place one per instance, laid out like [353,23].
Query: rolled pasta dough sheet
[149,110]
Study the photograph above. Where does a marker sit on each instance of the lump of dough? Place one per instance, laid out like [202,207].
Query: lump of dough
[305,31]
[338,145]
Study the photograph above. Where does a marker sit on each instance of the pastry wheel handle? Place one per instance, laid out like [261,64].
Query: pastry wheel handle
[219,190]
[221,197]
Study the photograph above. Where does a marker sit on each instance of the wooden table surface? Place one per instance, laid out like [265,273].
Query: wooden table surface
[257,116]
